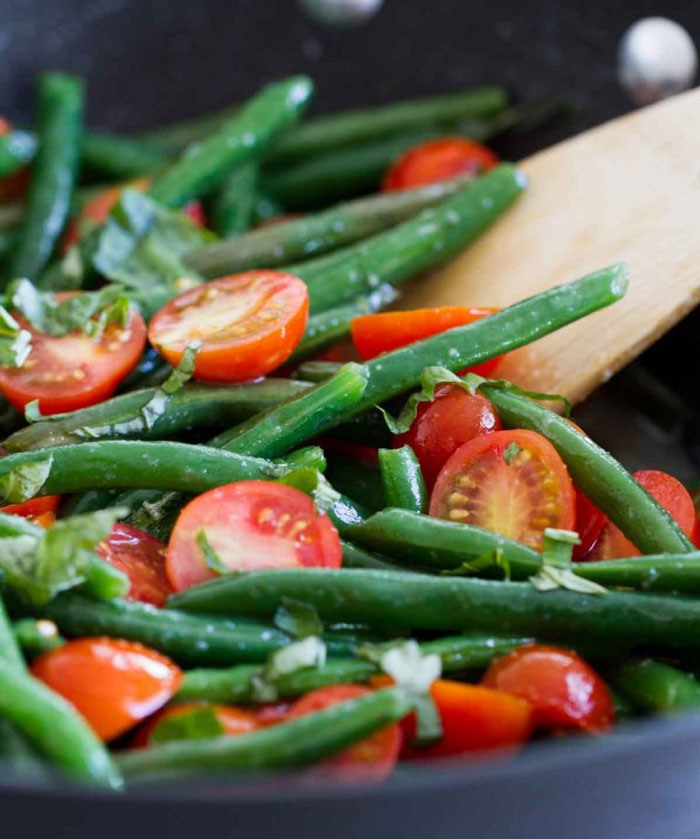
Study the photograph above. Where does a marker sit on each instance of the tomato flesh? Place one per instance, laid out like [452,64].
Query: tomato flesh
[250,524]
[248,324]
[438,160]
[387,331]
[453,418]
[671,495]
[142,558]
[565,692]
[510,482]
[73,371]
[474,719]
[372,759]
[34,507]
[113,683]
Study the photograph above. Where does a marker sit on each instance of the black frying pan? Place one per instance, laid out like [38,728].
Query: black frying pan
[150,61]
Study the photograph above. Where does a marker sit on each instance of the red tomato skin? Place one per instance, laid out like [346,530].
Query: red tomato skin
[243,352]
[33,507]
[94,371]
[142,558]
[564,691]
[253,524]
[373,759]
[590,522]
[113,683]
[491,449]
[438,160]
[453,418]
[474,719]
[195,212]
[671,495]
[233,720]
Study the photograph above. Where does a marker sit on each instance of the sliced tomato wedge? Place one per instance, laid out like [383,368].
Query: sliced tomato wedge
[250,524]
[73,371]
[511,482]
[438,160]
[248,324]
[233,721]
[386,331]
[671,495]
[453,418]
[113,683]
[142,558]
[474,719]
[372,759]
[565,692]
[34,507]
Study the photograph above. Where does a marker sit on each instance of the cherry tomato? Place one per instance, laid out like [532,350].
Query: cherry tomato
[250,524]
[233,721]
[438,160]
[248,324]
[671,495]
[272,714]
[34,507]
[357,451]
[386,331]
[45,520]
[511,482]
[453,418]
[565,692]
[142,558]
[474,719]
[195,212]
[73,371]
[13,186]
[113,683]
[590,522]
[372,759]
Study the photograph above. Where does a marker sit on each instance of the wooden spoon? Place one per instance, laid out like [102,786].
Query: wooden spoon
[627,190]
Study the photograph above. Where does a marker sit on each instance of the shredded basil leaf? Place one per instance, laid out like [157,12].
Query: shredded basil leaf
[184,370]
[25,481]
[211,557]
[314,483]
[490,559]
[300,620]
[557,569]
[32,413]
[15,342]
[511,451]
[300,655]
[558,546]
[191,724]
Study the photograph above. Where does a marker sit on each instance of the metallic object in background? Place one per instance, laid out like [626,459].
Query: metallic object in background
[342,13]
[657,58]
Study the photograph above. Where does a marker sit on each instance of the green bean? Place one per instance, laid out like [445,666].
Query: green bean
[404,485]
[103,580]
[396,372]
[310,457]
[653,686]
[122,417]
[173,138]
[202,166]
[319,233]
[88,502]
[347,127]
[8,240]
[10,417]
[287,745]
[333,325]
[36,636]
[233,206]
[18,754]
[288,425]
[596,472]
[17,148]
[55,728]
[120,157]
[60,108]
[10,215]
[266,208]
[346,513]
[357,480]
[109,464]
[10,651]
[418,601]
[356,557]
[412,247]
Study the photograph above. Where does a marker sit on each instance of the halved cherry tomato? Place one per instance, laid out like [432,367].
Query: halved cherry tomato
[372,759]
[565,692]
[142,558]
[113,683]
[453,418]
[73,371]
[233,721]
[248,324]
[474,719]
[438,160]
[250,524]
[97,209]
[590,522]
[272,714]
[13,186]
[34,507]
[386,331]
[511,482]
[357,451]
[671,495]
[45,520]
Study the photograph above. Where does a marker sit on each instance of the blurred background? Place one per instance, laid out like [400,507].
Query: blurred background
[148,62]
